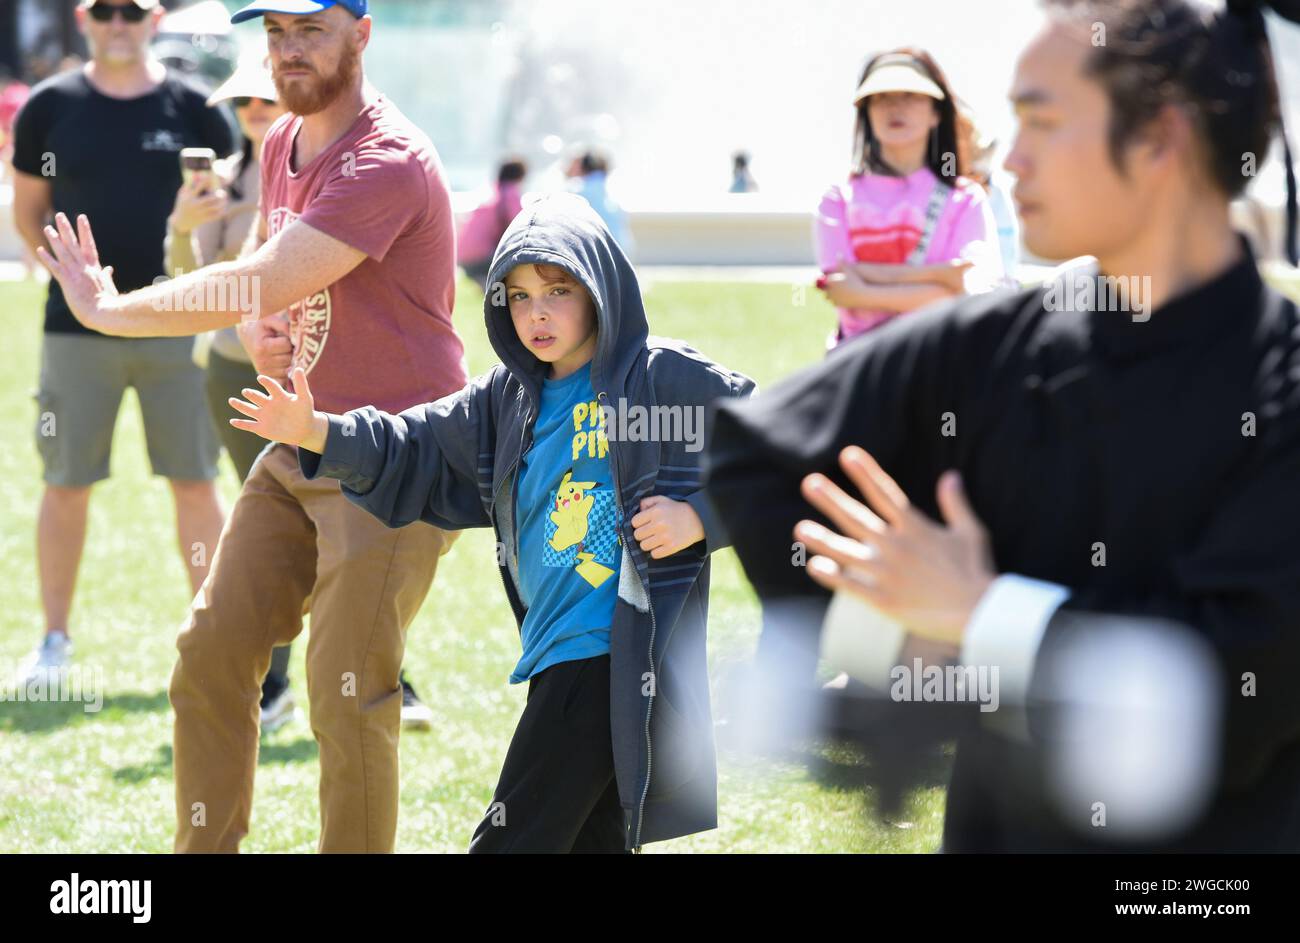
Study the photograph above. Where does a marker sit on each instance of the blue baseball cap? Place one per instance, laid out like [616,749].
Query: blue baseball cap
[357,8]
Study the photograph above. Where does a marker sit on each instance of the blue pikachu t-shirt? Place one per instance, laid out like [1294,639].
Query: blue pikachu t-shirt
[568,520]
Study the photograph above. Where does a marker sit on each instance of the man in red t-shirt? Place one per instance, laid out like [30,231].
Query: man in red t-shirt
[358,248]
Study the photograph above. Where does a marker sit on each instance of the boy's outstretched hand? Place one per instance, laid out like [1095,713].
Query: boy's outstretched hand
[664,526]
[282,416]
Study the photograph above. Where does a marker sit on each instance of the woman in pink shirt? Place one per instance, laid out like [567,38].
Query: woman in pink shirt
[908,228]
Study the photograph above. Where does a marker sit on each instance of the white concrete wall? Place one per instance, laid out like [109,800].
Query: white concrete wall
[732,229]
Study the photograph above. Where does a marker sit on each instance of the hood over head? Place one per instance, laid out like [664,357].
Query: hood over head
[562,229]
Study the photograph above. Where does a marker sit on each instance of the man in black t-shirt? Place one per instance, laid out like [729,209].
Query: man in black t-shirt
[105,141]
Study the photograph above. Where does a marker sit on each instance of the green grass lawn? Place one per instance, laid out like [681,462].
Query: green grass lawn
[102,782]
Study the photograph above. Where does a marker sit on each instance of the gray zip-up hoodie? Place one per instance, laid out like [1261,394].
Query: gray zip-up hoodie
[453,464]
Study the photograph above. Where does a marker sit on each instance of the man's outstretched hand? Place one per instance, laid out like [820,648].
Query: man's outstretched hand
[282,416]
[73,260]
[926,575]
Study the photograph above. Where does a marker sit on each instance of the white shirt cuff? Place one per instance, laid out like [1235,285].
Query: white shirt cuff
[859,640]
[1006,628]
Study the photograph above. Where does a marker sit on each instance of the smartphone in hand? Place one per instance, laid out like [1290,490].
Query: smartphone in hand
[197,164]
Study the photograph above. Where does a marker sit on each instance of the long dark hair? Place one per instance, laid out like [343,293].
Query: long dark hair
[246,162]
[1214,62]
[945,140]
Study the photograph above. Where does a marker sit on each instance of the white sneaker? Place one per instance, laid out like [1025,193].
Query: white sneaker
[416,715]
[277,711]
[54,652]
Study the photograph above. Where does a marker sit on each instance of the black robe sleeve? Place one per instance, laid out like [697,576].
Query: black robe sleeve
[887,391]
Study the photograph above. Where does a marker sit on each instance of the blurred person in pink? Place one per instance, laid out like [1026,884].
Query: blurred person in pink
[477,240]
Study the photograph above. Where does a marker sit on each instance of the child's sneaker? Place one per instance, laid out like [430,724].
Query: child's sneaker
[277,703]
[415,713]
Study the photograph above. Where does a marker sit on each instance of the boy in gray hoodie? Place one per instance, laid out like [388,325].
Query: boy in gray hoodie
[582,449]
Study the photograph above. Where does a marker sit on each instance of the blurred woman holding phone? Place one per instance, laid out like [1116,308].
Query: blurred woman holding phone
[215,211]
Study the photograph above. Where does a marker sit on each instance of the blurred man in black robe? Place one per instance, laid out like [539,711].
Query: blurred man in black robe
[1088,491]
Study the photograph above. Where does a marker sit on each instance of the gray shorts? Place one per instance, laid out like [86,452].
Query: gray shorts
[83,377]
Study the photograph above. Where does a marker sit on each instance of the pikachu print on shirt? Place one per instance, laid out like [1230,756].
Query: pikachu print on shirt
[582,529]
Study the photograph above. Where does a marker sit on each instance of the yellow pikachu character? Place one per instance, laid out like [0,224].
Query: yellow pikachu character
[572,509]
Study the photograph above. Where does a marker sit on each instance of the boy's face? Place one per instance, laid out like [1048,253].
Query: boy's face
[553,316]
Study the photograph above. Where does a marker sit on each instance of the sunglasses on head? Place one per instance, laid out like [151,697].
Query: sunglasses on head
[243,101]
[103,12]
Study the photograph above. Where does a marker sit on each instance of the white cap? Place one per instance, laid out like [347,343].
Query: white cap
[897,72]
[252,79]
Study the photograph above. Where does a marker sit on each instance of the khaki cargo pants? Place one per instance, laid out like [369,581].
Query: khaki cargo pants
[287,540]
